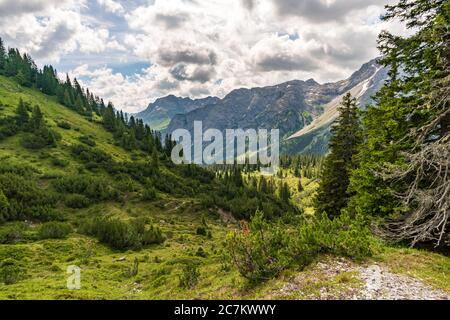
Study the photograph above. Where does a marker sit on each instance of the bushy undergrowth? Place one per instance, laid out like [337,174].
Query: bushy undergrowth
[122,235]
[261,250]
[94,188]
[12,233]
[54,230]
[11,271]
[189,276]
[21,197]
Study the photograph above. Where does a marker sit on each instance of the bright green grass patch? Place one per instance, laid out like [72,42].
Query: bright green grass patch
[11,93]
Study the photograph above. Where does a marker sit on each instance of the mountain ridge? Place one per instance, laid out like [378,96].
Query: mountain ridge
[290,106]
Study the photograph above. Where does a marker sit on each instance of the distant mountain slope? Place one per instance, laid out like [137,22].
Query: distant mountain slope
[159,113]
[302,110]
[359,91]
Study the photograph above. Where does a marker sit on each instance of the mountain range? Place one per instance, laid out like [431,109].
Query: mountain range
[303,110]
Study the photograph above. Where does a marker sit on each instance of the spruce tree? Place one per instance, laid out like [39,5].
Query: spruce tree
[333,195]
[37,118]
[2,56]
[22,114]
[404,164]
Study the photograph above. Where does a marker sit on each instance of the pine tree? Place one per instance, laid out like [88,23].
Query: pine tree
[284,192]
[155,160]
[2,57]
[405,161]
[37,118]
[346,137]
[22,114]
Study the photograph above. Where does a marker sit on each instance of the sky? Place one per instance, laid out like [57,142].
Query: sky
[132,52]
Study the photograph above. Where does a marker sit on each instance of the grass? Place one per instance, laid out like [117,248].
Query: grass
[104,272]
[431,268]
[11,93]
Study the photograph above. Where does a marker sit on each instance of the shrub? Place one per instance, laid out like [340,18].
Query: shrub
[202,231]
[4,204]
[201,253]
[64,125]
[94,188]
[54,230]
[11,234]
[134,270]
[87,140]
[26,200]
[121,235]
[60,162]
[77,201]
[113,232]
[189,276]
[40,138]
[11,271]
[149,194]
[152,236]
[259,251]
[93,155]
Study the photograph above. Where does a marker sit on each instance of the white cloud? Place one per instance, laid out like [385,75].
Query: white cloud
[112,6]
[19,7]
[197,47]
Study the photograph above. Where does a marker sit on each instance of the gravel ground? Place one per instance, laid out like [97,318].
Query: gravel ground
[376,282]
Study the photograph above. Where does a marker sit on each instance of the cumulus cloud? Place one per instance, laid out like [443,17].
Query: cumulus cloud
[322,10]
[249,4]
[19,7]
[183,72]
[171,21]
[195,48]
[112,6]
[282,54]
[49,29]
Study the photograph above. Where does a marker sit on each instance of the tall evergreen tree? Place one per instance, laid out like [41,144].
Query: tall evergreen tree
[405,163]
[2,56]
[37,118]
[333,195]
[22,114]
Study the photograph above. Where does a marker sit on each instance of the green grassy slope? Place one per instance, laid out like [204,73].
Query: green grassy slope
[105,272]
[11,93]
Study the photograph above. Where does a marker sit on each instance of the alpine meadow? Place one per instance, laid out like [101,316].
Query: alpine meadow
[356,205]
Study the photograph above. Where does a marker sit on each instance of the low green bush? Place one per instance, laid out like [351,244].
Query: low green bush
[87,140]
[149,194]
[77,201]
[24,199]
[13,233]
[64,125]
[60,162]
[94,188]
[11,271]
[54,230]
[260,250]
[201,231]
[121,235]
[40,138]
[189,276]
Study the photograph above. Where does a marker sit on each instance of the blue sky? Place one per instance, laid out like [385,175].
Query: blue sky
[132,52]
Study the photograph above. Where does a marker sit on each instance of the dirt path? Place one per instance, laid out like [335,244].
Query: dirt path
[341,279]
